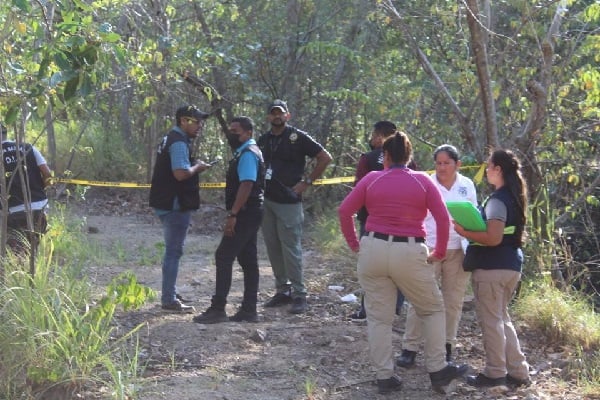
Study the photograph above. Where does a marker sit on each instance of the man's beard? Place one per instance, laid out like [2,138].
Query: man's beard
[277,122]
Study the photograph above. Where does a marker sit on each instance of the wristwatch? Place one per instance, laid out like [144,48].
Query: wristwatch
[308,181]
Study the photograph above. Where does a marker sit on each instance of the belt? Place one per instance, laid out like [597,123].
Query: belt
[393,238]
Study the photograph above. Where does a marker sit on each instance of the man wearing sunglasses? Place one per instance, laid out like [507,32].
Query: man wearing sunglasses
[174,195]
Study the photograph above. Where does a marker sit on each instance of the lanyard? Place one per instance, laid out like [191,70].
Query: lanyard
[274,142]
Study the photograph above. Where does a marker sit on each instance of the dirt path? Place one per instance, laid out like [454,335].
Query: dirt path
[318,355]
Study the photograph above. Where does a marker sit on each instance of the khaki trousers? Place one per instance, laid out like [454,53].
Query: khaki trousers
[453,282]
[383,268]
[493,290]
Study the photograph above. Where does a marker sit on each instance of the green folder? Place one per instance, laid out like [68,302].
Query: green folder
[467,215]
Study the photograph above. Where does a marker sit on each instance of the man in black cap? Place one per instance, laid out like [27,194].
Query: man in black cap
[174,195]
[18,159]
[285,149]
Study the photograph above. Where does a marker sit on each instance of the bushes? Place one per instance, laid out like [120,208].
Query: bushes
[51,335]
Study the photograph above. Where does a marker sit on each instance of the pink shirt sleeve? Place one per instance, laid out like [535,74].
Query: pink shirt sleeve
[349,206]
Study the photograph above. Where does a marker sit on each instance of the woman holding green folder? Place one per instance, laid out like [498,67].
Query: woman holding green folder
[495,257]
[449,272]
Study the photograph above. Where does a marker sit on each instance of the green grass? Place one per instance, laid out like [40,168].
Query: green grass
[69,245]
[53,335]
[564,317]
[325,234]
[567,318]
[586,369]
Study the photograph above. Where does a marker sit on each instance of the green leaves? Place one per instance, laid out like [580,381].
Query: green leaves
[56,61]
[126,291]
[23,5]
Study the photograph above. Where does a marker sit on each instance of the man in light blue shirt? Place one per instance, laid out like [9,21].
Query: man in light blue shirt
[244,196]
[174,195]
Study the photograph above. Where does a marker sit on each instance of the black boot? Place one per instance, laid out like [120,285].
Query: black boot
[406,359]
[442,378]
[390,385]
[280,299]
[361,313]
[448,352]
[246,313]
[510,380]
[299,305]
[480,380]
[213,314]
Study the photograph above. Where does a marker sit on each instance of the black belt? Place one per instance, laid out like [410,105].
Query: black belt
[404,239]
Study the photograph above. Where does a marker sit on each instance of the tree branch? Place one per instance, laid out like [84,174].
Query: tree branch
[428,68]
[478,44]
[595,183]
[214,97]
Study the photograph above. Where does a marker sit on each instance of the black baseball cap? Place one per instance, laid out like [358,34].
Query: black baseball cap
[282,105]
[190,111]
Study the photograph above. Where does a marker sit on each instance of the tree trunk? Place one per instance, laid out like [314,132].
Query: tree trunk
[287,88]
[51,137]
[479,46]
[463,120]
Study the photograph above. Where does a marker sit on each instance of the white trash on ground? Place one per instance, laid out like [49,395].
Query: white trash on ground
[349,298]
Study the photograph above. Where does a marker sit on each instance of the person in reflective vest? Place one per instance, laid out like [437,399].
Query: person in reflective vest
[496,258]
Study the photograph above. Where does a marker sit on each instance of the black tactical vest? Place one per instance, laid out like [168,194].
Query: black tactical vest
[14,167]
[165,187]
[506,255]
[233,180]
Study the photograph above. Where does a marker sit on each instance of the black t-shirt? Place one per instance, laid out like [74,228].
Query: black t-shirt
[285,159]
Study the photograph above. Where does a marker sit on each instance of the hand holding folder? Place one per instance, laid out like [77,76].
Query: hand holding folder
[466,215]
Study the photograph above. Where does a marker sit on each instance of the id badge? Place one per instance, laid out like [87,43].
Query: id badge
[268,174]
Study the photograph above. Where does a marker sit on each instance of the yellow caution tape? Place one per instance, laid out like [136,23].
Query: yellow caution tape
[334,181]
[212,185]
[126,184]
[100,183]
[218,185]
[479,175]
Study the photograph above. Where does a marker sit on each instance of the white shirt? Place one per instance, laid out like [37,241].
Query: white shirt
[463,189]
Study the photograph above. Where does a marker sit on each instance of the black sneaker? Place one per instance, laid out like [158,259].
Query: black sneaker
[406,359]
[177,306]
[299,305]
[359,314]
[442,378]
[280,299]
[390,385]
[516,382]
[244,316]
[480,380]
[211,316]
[181,299]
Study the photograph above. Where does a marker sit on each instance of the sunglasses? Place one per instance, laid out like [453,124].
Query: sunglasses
[194,121]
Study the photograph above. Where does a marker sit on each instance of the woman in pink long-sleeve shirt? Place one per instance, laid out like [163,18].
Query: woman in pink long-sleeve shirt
[393,255]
